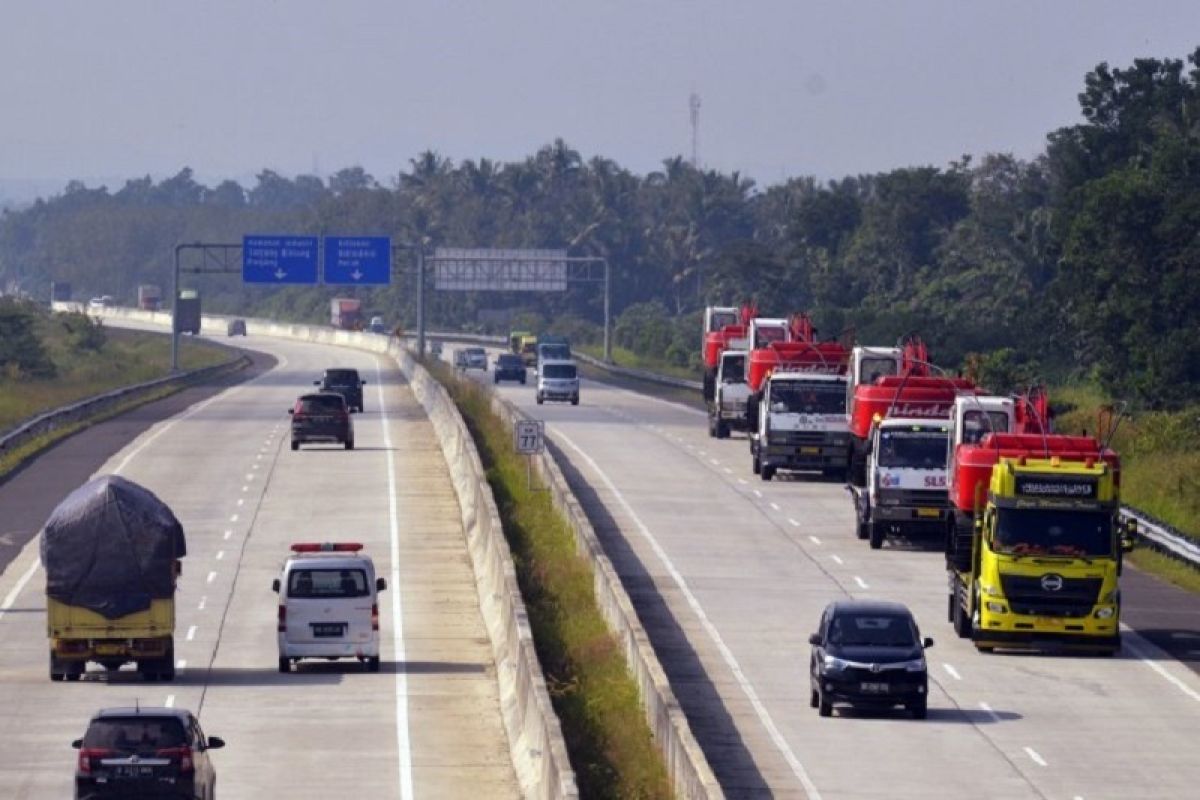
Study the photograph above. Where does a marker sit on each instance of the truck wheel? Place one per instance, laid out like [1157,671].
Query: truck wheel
[962,623]
[766,473]
[755,465]
[919,709]
[349,444]
[74,676]
[285,665]
[814,698]
[876,535]
[540,399]
[863,530]
[373,664]
[575,400]
[295,445]
[722,429]
[57,670]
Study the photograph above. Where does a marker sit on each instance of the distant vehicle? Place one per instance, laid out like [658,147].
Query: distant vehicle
[187,312]
[558,380]
[435,348]
[149,297]
[516,339]
[460,358]
[476,358]
[97,304]
[235,327]
[557,349]
[509,367]
[376,325]
[321,417]
[145,751]
[328,605]
[528,350]
[868,654]
[345,313]
[346,382]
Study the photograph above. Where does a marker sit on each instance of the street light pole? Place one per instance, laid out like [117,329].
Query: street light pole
[607,316]
[420,301]
[175,312]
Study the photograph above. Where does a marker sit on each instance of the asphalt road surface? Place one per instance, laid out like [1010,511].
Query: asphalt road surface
[427,725]
[730,574]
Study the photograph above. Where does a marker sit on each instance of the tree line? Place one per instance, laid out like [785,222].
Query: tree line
[1082,262]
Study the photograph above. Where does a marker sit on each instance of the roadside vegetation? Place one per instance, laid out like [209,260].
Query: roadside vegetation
[596,699]
[49,360]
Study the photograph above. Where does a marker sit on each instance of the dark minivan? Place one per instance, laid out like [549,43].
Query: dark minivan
[345,382]
[509,367]
[145,752]
[321,417]
[868,653]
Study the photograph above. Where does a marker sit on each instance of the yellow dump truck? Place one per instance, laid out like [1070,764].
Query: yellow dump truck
[112,554]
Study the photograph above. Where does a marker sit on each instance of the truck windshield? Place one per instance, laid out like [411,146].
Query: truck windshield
[872,368]
[795,397]
[733,370]
[559,371]
[920,449]
[554,351]
[977,423]
[720,319]
[764,336]
[1053,532]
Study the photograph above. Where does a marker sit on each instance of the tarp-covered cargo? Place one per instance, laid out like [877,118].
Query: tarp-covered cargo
[111,546]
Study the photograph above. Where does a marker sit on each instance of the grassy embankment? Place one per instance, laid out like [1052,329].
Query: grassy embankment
[628,358]
[611,747]
[125,358]
[1160,470]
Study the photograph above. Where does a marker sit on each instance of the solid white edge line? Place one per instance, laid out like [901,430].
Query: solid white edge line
[404,762]
[726,654]
[1152,663]
[1033,754]
[11,597]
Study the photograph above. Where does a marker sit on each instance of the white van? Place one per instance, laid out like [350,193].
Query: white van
[558,380]
[328,605]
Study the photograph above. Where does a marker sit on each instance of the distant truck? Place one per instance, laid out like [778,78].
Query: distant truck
[111,551]
[731,392]
[187,312]
[149,297]
[516,339]
[345,313]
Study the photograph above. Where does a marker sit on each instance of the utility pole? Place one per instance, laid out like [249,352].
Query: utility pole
[694,114]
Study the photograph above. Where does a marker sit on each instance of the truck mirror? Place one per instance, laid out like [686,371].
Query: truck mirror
[291,411]
[275,586]
[1127,544]
[380,584]
[927,642]
[814,638]
[1131,527]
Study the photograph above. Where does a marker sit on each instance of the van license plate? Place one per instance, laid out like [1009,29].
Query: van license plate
[875,688]
[927,512]
[328,628]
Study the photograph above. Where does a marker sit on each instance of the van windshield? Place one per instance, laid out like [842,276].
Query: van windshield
[720,319]
[341,377]
[327,583]
[564,372]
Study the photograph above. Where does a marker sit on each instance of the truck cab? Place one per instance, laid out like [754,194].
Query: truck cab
[727,411]
[763,331]
[328,604]
[905,493]
[801,424]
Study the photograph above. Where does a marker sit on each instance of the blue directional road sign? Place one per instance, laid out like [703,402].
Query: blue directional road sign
[358,259]
[279,259]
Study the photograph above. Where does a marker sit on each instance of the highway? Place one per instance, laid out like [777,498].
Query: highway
[730,574]
[428,725]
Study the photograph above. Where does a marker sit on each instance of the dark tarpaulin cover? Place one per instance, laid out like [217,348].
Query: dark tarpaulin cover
[110,547]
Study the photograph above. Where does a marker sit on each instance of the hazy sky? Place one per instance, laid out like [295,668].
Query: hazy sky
[108,89]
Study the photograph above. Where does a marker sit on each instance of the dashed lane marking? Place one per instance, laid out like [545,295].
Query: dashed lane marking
[814,539]
[861,583]
[1035,756]
[837,558]
[211,577]
[951,671]
[191,634]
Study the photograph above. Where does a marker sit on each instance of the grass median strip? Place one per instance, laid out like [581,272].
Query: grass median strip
[610,745]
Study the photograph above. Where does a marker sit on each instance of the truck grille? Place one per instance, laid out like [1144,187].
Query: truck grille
[1028,595]
[801,438]
[923,498]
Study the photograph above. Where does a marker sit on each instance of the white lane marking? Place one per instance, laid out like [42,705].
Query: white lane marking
[743,481]
[726,654]
[228,534]
[249,476]
[241,501]
[814,539]
[211,577]
[258,458]
[1150,662]
[220,554]
[1033,754]
[170,701]
[837,558]
[404,762]
[245,488]
[793,523]
[861,583]
[191,634]
[775,506]
[728,471]
[757,493]
[11,597]
[181,664]
[952,671]
[203,600]
[703,452]
[191,412]
[691,447]
[715,463]
[995,717]
[234,518]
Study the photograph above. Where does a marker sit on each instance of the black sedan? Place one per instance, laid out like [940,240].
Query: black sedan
[509,367]
[868,654]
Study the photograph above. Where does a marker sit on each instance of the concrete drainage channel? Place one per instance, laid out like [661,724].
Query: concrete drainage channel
[538,751]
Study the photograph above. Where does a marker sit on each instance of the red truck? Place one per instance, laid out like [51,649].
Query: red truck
[725,328]
[346,314]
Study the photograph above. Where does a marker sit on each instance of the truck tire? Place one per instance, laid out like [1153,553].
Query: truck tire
[575,400]
[712,427]
[540,399]
[349,444]
[722,429]
[755,464]
[766,473]
[863,530]
[876,534]
[285,665]
[373,664]
[962,622]
[295,445]
[58,670]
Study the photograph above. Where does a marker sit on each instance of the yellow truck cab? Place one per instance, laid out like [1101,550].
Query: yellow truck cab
[1047,555]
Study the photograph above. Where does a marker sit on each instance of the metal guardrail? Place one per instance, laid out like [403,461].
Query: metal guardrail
[1163,537]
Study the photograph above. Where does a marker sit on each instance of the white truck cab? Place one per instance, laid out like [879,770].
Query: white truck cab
[328,604]
[731,392]
[764,330]
[801,424]
[906,490]
[717,317]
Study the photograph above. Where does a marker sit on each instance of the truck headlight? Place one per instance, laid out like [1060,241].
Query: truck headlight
[1105,613]
[992,591]
[996,608]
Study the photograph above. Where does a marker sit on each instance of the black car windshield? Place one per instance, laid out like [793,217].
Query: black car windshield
[327,404]
[877,630]
[913,449]
[1053,532]
[129,735]
[341,377]
[327,583]
[559,371]
[733,369]
[798,397]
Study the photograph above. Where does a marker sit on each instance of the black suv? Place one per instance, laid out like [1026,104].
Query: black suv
[509,367]
[145,752]
[321,417]
[868,653]
[345,382]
